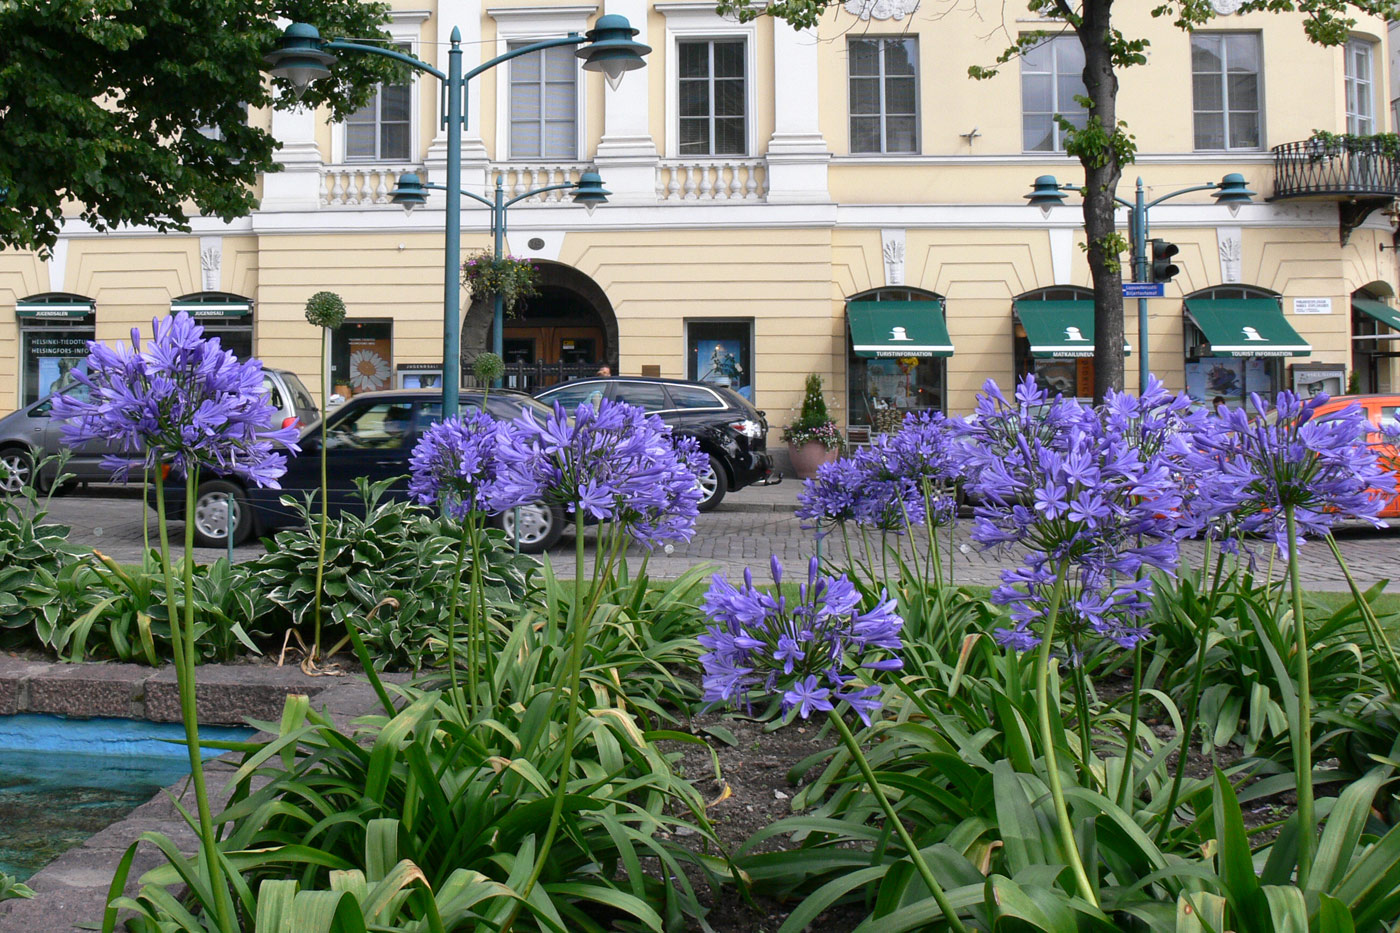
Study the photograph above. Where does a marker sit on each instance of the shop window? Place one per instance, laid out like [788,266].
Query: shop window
[223,315]
[54,331]
[1072,377]
[721,353]
[1229,380]
[362,354]
[881,390]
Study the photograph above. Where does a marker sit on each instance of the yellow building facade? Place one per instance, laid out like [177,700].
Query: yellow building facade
[788,202]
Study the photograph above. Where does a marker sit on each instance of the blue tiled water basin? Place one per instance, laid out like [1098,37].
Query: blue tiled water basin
[62,780]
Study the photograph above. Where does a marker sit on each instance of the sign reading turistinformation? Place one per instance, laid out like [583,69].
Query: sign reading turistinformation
[1312,305]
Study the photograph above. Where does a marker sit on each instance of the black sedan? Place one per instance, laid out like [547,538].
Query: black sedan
[373,436]
[729,428]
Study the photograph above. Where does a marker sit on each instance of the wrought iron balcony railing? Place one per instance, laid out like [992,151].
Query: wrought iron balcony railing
[1336,170]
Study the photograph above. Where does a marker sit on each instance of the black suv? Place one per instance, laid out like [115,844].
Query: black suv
[729,428]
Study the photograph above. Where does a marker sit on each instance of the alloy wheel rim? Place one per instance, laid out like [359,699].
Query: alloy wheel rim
[708,481]
[532,527]
[211,515]
[16,472]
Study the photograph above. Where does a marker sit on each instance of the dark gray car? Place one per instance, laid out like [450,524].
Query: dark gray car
[30,435]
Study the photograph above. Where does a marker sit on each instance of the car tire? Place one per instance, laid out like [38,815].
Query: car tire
[210,518]
[714,482]
[18,469]
[541,526]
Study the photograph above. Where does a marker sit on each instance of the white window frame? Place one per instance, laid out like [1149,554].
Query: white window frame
[884,149]
[692,20]
[533,24]
[1364,85]
[1225,93]
[1057,141]
[404,28]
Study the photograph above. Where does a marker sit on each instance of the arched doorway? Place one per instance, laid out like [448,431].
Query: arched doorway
[570,322]
[1375,337]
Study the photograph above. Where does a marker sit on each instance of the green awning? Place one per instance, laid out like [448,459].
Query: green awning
[1246,327]
[50,308]
[898,328]
[1378,310]
[212,308]
[1059,329]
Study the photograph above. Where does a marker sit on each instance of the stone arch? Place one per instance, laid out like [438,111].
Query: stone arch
[567,298]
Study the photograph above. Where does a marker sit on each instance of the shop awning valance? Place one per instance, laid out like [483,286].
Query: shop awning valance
[1059,329]
[1378,310]
[63,307]
[1246,327]
[215,307]
[898,328]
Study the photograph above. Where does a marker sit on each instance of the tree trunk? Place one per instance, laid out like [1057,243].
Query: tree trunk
[1100,186]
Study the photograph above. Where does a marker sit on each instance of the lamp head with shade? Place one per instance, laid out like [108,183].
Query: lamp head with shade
[299,58]
[590,191]
[1233,191]
[1046,193]
[409,193]
[611,50]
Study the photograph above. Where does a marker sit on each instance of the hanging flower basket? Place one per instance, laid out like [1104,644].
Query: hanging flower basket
[513,279]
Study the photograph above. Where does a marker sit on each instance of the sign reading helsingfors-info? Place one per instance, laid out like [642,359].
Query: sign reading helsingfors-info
[1312,305]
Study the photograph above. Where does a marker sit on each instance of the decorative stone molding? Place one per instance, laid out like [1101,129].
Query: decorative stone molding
[892,253]
[1226,7]
[211,262]
[895,9]
[1231,248]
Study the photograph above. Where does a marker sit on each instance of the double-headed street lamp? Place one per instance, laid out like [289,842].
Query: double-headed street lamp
[302,57]
[1232,191]
[411,192]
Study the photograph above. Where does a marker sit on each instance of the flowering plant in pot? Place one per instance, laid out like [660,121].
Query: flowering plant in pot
[513,279]
[813,439]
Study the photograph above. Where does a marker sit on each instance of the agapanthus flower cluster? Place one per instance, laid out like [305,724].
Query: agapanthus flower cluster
[182,401]
[615,463]
[1084,497]
[800,650]
[454,465]
[1251,469]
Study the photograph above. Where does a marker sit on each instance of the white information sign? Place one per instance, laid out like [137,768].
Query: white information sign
[1312,305]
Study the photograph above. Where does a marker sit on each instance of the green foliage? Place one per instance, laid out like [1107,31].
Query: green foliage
[1324,145]
[113,124]
[10,889]
[37,569]
[814,422]
[513,279]
[325,309]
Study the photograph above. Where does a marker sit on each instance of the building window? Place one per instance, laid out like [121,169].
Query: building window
[1052,76]
[54,331]
[362,354]
[1361,95]
[721,353]
[880,391]
[712,97]
[380,131]
[1225,89]
[884,94]
[544,104]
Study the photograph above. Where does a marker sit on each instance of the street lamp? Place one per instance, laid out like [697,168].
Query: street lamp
[1232,191]
[411,192]
[302,57]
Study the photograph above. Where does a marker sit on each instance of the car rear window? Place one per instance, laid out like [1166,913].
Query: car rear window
[645,395]
[575,393]
[694,397]
[1390,418]
[301,397]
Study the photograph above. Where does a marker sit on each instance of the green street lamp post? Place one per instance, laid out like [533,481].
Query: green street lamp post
[1232,191]
[411,192]
[302,57]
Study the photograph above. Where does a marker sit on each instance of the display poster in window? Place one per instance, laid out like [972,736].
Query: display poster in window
[1259,377]
[1059,377]
[721,354]
[50,358]
[361,356]
[1215,378]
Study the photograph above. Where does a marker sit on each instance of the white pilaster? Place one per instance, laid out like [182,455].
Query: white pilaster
[466,16]
[1062,255]
[58,264]
[626,155]
[298,186]
[797,154]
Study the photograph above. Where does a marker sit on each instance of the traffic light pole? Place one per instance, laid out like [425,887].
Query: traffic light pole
[1142,272]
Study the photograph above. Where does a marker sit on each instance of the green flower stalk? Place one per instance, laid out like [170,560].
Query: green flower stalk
[325,310]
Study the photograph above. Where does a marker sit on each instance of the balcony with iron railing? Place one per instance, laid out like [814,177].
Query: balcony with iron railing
[1359,174]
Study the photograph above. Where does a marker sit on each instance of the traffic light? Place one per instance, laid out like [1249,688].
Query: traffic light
[1163,269]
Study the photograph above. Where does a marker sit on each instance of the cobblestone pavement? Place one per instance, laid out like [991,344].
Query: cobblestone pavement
[746,529]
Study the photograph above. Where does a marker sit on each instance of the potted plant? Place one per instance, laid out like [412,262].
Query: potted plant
[514,280]
[813,439]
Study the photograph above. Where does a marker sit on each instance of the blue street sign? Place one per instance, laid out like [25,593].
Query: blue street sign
[1143,289]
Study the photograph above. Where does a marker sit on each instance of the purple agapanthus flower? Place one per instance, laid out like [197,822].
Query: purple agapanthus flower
[1248,469]
[181,401]
[1088,493]
[454,465]
[799,650]
[614,463]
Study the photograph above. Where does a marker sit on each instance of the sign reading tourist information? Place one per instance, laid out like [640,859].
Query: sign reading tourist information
[1143,289]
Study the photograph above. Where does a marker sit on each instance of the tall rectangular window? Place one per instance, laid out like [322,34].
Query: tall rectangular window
[544,104]
[1225,90]
[380,130]
[884,93]
[713,97]
[1052,76]
[1360,85]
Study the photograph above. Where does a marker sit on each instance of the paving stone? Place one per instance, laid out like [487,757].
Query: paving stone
[14,676]
[231,694]
[87,690]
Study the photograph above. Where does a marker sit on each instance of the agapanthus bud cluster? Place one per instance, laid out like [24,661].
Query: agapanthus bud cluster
[800,650]
[180,400]
[1088,499]
[454,465]
[1249,469]
[615,463]
[325,309]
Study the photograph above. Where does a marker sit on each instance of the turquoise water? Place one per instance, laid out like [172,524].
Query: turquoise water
[63,780]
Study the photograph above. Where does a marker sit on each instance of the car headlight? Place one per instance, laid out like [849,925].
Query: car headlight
[749,429]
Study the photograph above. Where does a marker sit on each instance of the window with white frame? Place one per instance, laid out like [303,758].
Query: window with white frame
[712,97]
[884,78]
[1360,87]
[1225,69]
[381,130]
[1052,76]
[544,104]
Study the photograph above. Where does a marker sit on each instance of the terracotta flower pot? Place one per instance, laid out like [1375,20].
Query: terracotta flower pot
[809,456]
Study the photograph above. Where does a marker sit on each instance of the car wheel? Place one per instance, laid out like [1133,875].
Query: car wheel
[713,481]
[16,469]
[211,514]
[540,526]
